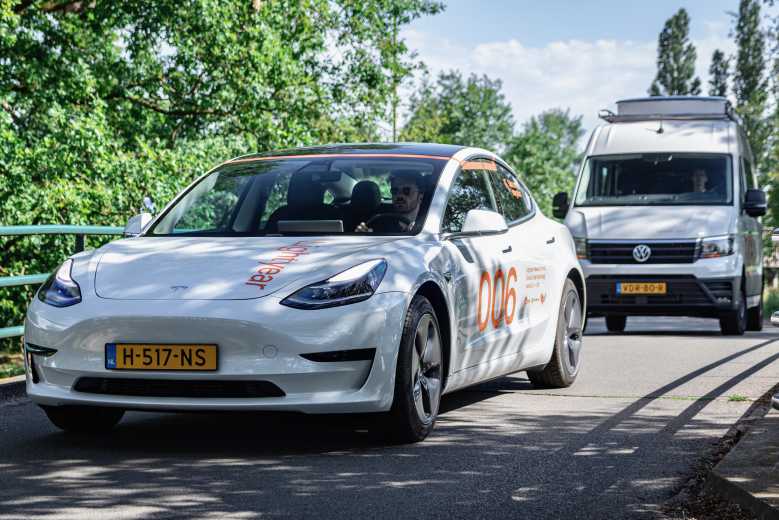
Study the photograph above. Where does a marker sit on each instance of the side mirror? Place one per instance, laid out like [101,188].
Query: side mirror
[484,222]
[775,235]
[755,203]
[560,205]
[136,224]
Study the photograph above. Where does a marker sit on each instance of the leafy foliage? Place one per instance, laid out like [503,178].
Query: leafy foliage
[472,112]
[676,59]
[719,71]
[545,154]
[104,102]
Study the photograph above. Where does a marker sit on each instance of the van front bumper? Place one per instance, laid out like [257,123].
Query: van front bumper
[686,295]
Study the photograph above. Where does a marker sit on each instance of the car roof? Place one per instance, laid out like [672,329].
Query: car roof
[411,149]
[694,136]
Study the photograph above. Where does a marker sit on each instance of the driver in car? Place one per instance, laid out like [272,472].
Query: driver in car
[699,180]
[406,187]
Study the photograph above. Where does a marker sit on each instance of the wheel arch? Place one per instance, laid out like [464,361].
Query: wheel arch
[435,296]
[576,277]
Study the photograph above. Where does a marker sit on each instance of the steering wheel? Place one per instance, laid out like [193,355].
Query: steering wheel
[388,222]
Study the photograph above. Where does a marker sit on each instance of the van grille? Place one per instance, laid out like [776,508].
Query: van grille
[662,252]
[682,290]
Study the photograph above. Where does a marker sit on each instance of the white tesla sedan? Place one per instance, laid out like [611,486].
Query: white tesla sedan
[341,279]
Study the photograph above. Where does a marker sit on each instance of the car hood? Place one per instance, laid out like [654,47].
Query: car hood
[219,268]
[651,222]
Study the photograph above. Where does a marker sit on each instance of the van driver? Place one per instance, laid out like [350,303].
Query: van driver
[406,187]
[699,180]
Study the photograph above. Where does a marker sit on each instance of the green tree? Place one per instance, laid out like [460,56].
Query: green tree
[719,71]
[472,112]
[103,102]
[749,77]
[545,154]
[676,59]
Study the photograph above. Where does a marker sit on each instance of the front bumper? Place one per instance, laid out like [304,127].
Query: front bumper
[259,342]
[686,296]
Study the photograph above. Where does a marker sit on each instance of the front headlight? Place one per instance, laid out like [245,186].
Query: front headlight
[351,286]
[714,247]
[60,290]
[581,248]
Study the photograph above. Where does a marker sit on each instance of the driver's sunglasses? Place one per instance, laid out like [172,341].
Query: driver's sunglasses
[405,190]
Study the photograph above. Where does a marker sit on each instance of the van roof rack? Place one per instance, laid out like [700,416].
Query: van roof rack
[658,108]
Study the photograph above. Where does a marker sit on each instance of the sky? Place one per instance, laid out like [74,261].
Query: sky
[565,54]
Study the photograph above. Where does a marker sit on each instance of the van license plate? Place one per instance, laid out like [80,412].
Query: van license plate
[641,288]
[142,356]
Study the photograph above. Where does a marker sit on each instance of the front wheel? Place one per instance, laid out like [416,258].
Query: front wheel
[755,316]
[734,323]
[562,369]
[419,375]
[83,419]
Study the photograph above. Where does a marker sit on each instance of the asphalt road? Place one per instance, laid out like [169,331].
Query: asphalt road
[648,404]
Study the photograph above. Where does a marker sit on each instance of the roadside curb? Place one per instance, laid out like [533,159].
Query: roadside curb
[741,474]
[12,387]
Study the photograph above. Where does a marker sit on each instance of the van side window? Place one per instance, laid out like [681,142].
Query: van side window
[513,200]
[748,173]
[470,191]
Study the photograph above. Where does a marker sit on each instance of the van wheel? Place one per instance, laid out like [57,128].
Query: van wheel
[84,419]
[616,323]
[755,317]
[734,323]
[562,369]
[419,375]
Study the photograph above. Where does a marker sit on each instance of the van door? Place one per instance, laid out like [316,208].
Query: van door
[752,232]
[477,264]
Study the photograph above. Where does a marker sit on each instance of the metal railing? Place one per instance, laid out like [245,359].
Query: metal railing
[80,232]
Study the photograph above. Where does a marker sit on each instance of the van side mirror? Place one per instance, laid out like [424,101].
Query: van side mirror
[560,205]
[135,225]
[755,203]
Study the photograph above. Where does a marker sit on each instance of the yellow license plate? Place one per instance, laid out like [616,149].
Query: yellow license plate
[641,288]
[142,356]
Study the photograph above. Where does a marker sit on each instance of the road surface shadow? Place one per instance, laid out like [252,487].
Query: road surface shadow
[485,460]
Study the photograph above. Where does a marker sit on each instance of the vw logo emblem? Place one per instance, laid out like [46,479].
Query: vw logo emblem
[641,253]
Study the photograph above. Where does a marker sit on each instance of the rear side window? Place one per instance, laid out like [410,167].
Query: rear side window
[511,197]
[470,191]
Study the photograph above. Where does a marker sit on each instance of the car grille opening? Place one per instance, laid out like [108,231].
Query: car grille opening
[681,290]
[662,252]
[332,356]
[177,388]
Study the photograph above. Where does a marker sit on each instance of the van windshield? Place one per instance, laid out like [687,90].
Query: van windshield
[656,179]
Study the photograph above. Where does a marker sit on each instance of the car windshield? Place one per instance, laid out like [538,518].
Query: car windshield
[656,179]
[307,195]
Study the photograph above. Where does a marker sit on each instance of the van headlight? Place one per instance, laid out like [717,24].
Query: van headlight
[581,248]
[60,290]
[714,247]
[350,286]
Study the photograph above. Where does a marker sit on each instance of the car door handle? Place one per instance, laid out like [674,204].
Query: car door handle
[550,241]
[507,250]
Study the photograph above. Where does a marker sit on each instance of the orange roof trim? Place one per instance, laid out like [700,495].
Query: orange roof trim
[341,155]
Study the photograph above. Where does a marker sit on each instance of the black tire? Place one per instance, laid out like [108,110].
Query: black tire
[616,323]
[84,419]
[734,323]
[405,424]
[562,369]
[755,316]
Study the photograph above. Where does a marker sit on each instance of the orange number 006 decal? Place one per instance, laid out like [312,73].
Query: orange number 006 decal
[498,303]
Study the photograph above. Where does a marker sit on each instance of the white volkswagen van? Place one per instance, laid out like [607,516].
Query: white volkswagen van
[665,214]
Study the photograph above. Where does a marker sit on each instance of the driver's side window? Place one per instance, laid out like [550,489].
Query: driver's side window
[469,191]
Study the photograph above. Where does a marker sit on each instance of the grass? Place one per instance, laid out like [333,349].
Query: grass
[770,301]
[11,365]
[737,398]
